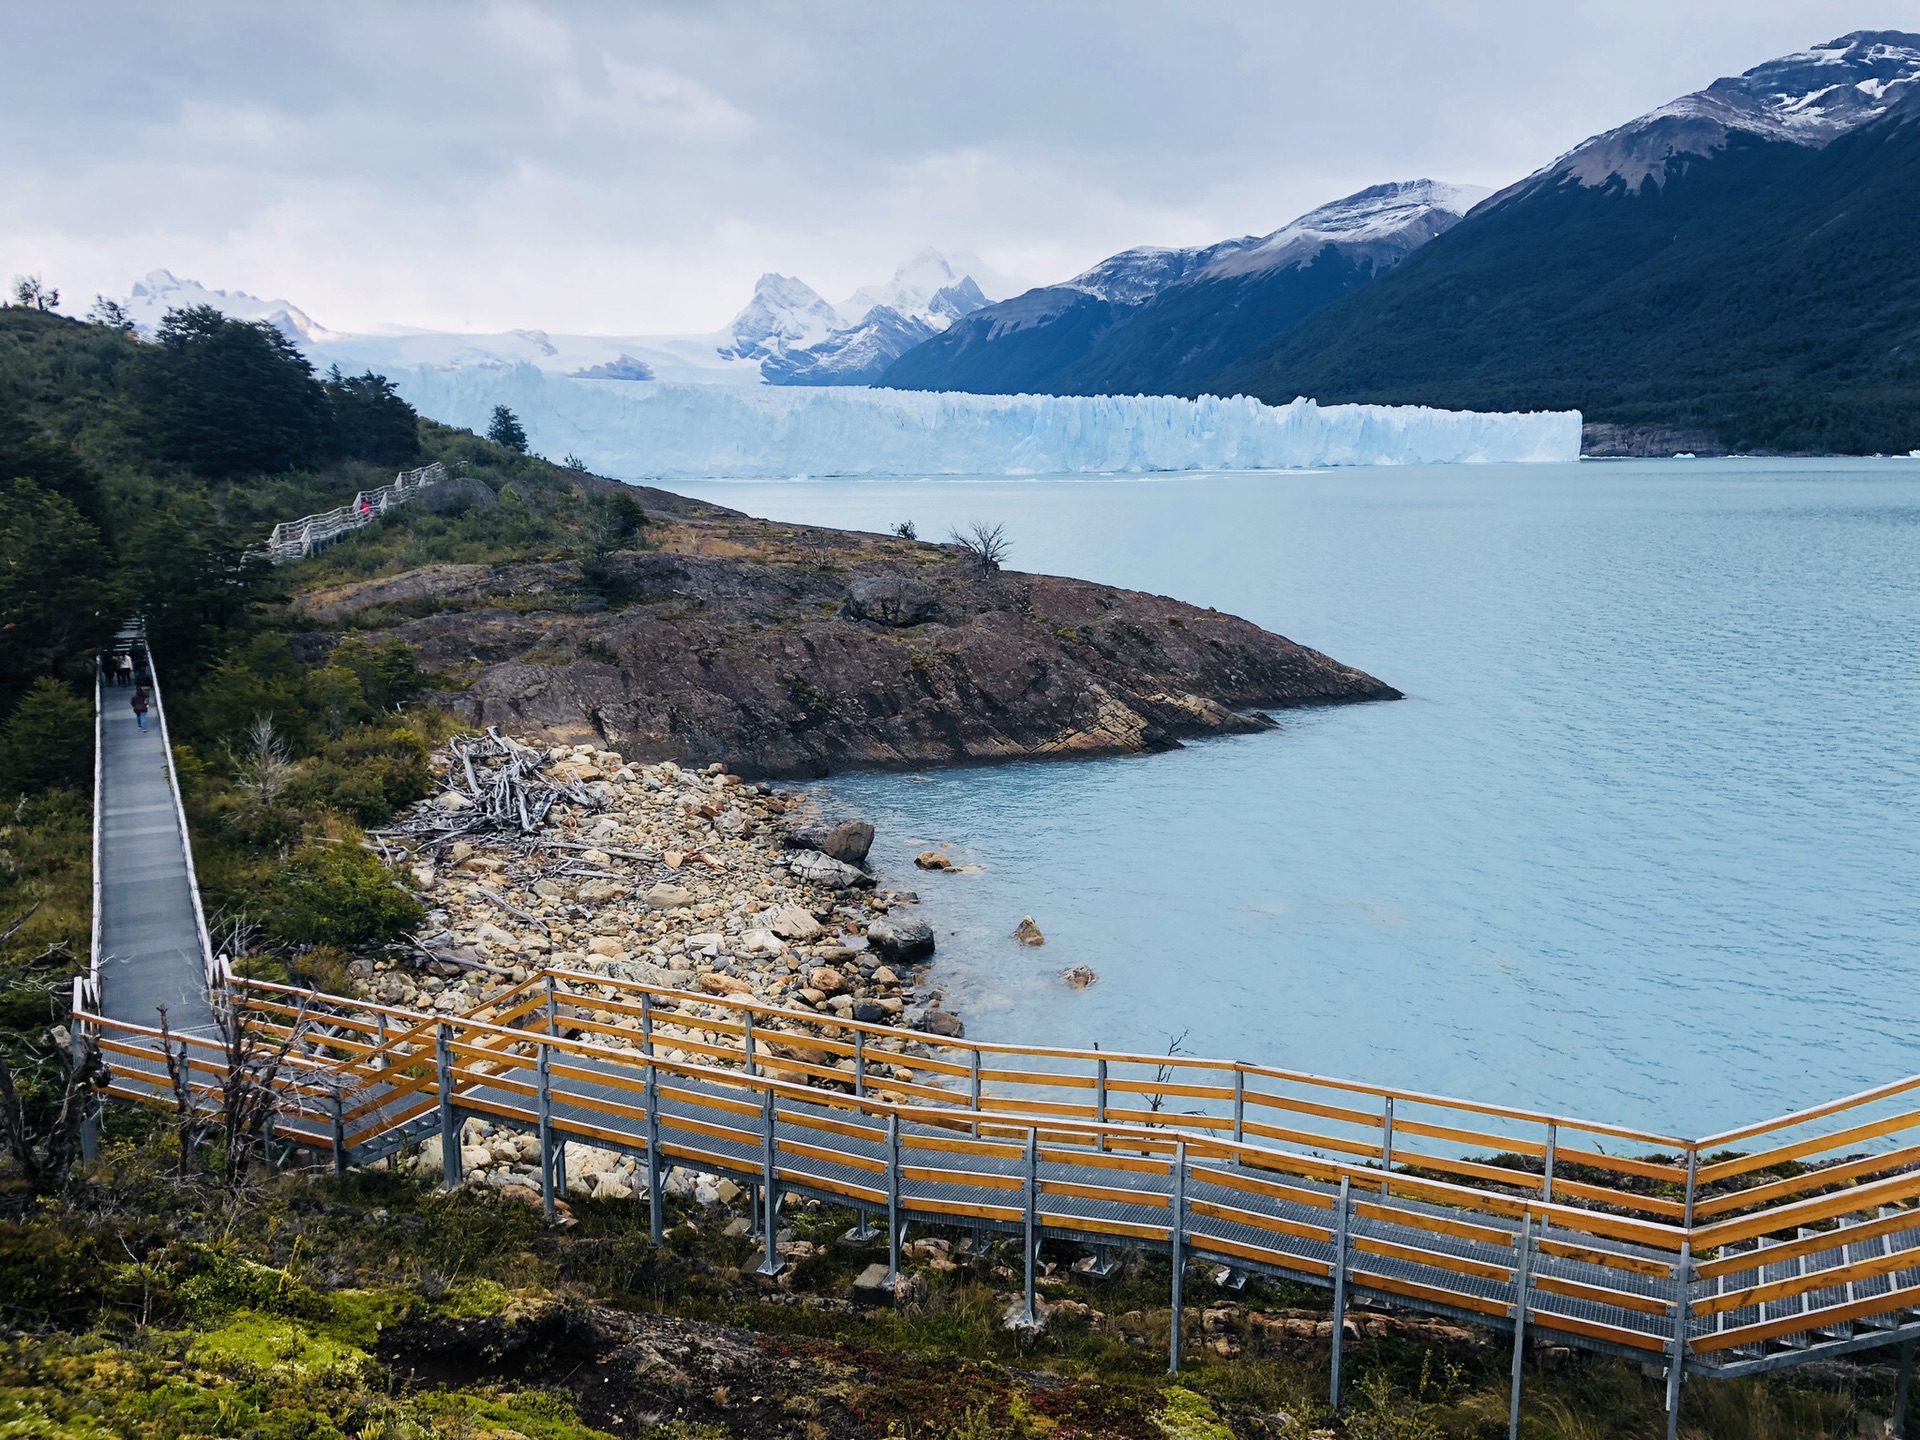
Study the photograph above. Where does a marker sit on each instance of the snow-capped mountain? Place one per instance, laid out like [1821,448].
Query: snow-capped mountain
[784,314]
[927,289]
[785,334]
[881,323]
[162,290]
[1733,270]
[1808,98]
[1147,320]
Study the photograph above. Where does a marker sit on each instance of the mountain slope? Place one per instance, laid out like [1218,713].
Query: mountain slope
[1734,269]
[1147,320]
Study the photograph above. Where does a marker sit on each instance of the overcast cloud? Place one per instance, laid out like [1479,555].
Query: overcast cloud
[633,167]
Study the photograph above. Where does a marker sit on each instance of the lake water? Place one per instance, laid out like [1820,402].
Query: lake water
[1642,843]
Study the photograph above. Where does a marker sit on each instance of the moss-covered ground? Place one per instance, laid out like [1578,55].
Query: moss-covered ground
[138,1305]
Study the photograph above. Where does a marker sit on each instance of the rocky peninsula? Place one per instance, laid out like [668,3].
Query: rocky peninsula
[796,651]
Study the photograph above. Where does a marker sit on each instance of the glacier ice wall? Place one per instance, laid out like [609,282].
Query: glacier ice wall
[641,431]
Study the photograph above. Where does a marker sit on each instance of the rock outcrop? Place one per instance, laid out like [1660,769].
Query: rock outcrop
[790,651]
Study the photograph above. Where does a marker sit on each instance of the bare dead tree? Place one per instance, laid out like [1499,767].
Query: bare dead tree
[191,1123]
[984,545]
[45,1146]
[250,1091]
[1163,1073]
[265,766]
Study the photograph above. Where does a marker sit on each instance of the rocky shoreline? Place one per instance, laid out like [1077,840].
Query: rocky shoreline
[690,879]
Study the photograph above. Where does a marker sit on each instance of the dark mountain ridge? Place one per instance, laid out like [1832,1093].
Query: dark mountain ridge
[1151,319]
[1735,271]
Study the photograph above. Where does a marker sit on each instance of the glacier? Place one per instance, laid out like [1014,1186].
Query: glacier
[637,430]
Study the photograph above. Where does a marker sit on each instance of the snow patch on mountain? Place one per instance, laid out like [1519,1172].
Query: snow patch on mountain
[667,431]
[1808,98]
[1384,222]
[162,290]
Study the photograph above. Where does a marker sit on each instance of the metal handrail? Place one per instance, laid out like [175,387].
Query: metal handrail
[297,539]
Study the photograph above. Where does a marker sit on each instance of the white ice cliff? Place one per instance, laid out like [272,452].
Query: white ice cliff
[639,430]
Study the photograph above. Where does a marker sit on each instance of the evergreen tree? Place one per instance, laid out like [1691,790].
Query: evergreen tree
[59,596]
[47,741]
[506,430]
[229,397]
[370,420]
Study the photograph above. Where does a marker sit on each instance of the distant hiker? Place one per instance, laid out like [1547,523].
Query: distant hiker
[123,668]
[366,510]
[139,703]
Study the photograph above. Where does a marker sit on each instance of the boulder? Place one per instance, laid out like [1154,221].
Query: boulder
[453,800]
[1028,933]
[847,841]
[818,869]
[900,939]
[668,897]
[608,946]
[715,983]
[891,599]
[939,1022]
[827,980]
[790,922]
[594,892]
[759,942]
[933,860]
[1079,976]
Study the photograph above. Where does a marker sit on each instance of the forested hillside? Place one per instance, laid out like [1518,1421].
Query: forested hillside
[134,480]
[1765,297]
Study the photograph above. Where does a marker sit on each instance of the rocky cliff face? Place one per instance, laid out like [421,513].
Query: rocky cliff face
[790,651]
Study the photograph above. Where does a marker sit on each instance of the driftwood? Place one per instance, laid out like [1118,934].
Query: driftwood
[515,910]
[507,787]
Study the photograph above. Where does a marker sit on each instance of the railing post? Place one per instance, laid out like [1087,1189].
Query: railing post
[646,1024]
[655,1175]
[1682,1315]
[559,1167]
[862,1231]
[1386,1141]
[895,1225]
[1522,1273]
[1177,1233]
[1032,1232]
[1341,1235]
[1239,1105]
[746,1017]
[1553,1150]
[545,1120]
[770,1261]
[1693,1182]
[1902,1386]
[338,1105]
[973,1091]
[450,1171]
[77,1052]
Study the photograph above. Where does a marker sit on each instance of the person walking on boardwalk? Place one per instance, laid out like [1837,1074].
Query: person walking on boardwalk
[139,703]
[123,668]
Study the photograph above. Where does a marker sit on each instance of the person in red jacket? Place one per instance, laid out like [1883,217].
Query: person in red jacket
[140,703]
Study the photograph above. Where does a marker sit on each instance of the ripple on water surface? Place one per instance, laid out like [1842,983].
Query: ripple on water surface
[1642,843]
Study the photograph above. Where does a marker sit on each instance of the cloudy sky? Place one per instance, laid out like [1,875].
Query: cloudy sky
[632,167]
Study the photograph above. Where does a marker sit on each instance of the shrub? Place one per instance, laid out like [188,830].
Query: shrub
[338,895]
[366,775]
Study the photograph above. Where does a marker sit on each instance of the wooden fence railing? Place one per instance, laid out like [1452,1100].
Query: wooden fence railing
[297,539]
[1804,1244]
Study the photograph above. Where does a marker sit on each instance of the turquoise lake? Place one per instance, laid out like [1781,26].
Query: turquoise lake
[1641,844]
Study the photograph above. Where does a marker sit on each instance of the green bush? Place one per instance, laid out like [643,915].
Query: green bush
[47,742]
[338,895]
[366,775]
